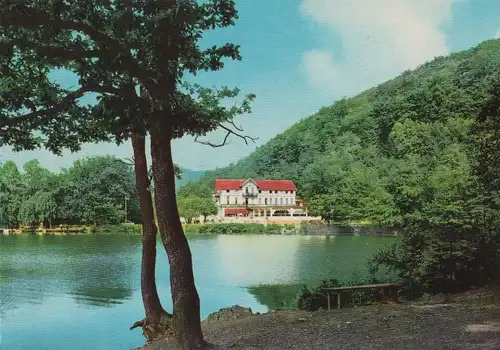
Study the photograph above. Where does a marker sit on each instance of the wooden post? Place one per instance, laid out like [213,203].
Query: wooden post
[339,299]
[394,294]
[328,298]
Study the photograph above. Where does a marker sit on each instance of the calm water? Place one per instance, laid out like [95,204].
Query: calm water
[83,292]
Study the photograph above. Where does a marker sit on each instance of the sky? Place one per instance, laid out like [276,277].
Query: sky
[300,55]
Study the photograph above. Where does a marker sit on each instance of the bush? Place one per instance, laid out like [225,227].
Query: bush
[312,299]
[235,229]
[123,229]
[439,260]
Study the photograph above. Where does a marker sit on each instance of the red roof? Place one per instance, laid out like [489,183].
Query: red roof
[265,185]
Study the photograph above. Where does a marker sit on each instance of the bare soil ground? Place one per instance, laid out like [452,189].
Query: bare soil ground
[468,320]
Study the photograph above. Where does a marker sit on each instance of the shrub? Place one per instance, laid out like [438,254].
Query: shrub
[442,260]
[312,299]
[233,229]
[125,229]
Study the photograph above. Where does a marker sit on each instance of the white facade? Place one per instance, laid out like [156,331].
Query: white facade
[256,198]
[251,195]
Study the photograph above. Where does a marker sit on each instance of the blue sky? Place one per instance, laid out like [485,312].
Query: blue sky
[300,55]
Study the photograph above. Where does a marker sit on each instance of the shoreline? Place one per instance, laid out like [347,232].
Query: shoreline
[214,229]
[466,320]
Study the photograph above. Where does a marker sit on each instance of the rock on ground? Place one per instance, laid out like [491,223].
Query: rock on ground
[467,321]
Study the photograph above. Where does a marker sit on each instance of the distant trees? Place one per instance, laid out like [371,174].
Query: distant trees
[196,189]
[192,207]
[92,191]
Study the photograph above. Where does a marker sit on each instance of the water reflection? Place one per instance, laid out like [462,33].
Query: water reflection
[95,270]
[88,286]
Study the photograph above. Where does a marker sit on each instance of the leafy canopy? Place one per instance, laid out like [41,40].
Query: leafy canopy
[130,55]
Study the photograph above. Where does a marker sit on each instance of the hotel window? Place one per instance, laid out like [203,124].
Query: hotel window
[227,200]
[286,201]
[265,200]
[280,201]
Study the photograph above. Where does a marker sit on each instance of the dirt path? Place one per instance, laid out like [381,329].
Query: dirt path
[467,321]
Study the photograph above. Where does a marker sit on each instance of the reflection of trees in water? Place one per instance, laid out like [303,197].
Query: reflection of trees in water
[276,296]
[96,270]
[317,259]
[335,257]
[103,276]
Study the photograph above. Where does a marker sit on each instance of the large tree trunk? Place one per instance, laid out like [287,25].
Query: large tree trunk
[156,316]
[186,321]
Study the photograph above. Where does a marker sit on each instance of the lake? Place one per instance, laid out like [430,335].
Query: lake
[83,292]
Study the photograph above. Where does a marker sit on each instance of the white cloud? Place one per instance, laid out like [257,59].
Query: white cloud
[497,34]
[321,68]
[379,39]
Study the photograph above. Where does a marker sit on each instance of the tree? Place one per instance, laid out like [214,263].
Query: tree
[96,189]
[192,207]
[113,47]
[207,207]
[189,208]
[11,193]
[196,189]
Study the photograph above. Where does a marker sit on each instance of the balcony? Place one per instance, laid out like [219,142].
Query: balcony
[250,194]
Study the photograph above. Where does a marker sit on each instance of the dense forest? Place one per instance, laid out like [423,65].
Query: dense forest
[94,190]
[392,151]
[419,153]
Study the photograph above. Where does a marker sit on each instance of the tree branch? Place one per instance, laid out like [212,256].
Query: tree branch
[226,138]
[72,53]
[33,19]
[68,99]
[65,102]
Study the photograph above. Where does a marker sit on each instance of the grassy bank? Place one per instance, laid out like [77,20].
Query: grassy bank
[205,229]
[238,229]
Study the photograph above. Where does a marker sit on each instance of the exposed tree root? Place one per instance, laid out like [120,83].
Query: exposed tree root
[138,324]
[157,330]
[164,332]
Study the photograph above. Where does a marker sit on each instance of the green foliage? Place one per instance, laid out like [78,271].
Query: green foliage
[112,48]
[195,189]
[122,229]
[95,191]
[235,229]
[392,150]
[92,191]
[276,296]
[188,176]
[419,153]
[314,298]
[194,207]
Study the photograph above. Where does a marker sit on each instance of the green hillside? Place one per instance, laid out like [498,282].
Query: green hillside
[389,151]
[188,175]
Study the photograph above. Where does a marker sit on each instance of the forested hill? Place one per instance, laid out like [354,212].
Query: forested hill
[188,175]
[382,153]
